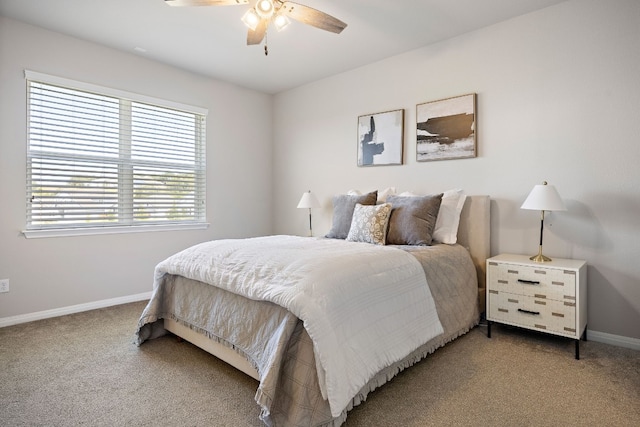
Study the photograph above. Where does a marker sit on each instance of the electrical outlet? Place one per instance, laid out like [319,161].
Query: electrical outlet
[4,285]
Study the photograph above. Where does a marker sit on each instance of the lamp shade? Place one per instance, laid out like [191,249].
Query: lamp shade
[544,197]
[308,201]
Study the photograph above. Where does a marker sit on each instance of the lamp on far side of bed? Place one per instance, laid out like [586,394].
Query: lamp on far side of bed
[308,201]
[542,198]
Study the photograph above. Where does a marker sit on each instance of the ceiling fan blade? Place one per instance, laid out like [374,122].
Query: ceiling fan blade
[310,16]
[256,36]
[204,2]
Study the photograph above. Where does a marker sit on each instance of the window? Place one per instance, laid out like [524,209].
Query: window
[103,159]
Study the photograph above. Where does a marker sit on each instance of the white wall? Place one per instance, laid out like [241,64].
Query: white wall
[47,274]
[558,100]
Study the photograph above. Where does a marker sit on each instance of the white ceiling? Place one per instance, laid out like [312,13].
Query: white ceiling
[211,40]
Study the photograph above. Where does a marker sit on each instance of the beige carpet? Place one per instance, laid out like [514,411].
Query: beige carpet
[84,370]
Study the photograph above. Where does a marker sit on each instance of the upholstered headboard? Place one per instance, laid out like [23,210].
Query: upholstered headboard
[474,233]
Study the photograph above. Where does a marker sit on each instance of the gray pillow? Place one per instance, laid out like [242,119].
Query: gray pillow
[343,206]
[413,219]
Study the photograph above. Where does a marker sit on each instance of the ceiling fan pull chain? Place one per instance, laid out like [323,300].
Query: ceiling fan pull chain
[266,50]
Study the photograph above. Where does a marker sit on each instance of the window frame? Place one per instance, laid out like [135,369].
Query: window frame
[34,231]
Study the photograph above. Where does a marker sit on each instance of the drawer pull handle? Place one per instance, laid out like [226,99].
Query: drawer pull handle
[529,312]
[529,282]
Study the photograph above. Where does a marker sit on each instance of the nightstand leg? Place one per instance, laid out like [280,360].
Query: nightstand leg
[577,349]
[488,329]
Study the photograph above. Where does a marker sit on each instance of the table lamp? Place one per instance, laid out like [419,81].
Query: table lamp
[542,198]
[308,201]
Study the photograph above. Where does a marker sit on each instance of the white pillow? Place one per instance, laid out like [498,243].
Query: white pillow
[369,224]
[382,195]
[446,230]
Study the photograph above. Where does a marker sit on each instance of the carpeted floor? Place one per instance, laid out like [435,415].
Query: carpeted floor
[84,370]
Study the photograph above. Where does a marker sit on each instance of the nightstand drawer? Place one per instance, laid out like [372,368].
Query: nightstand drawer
[534,281]
[535,313]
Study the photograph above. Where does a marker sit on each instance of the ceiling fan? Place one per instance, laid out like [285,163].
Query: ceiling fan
[264,12]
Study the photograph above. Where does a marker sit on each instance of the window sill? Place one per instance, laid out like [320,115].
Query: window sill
[69,232]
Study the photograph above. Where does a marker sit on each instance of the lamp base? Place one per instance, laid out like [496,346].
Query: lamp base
[539,257]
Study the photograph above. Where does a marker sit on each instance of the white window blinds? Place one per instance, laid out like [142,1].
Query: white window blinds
[96,158]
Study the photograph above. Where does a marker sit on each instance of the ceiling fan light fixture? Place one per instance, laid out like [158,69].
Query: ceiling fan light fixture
[264,12]
[264,8]
[251,19]
[281,22]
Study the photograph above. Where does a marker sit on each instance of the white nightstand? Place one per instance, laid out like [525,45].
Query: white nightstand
[550,297]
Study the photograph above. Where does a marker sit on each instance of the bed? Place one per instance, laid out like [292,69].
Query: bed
[300,362]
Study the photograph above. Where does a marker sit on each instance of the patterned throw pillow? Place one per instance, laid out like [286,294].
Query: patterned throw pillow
[369,224]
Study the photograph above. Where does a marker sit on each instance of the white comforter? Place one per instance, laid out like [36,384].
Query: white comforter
[364,306]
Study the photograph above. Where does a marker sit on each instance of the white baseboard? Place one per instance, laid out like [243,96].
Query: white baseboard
[617,340]
[47,314]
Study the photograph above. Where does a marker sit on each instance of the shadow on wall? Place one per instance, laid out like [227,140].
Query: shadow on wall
[613,293]
[495,206]
[579,225]
[608,310]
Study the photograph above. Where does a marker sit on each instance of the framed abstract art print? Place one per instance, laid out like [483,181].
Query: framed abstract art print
[380,138]
[446,129]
